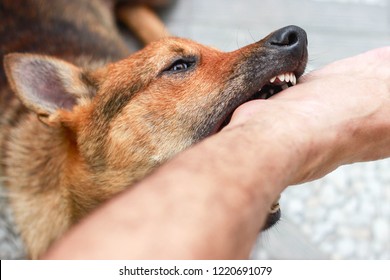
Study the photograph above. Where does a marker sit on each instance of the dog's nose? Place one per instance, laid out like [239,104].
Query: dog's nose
[290,38]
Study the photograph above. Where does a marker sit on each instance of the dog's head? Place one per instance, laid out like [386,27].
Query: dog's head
[126,118]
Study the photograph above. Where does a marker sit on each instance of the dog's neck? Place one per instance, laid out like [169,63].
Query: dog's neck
[38,158]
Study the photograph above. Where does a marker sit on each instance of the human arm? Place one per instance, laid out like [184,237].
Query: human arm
[211,200]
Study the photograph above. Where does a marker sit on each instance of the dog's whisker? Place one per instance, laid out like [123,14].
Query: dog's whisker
[250,34]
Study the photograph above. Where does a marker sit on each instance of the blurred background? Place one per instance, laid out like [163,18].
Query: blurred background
[345,215]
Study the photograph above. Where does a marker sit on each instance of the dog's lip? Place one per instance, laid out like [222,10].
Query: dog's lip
[272,219]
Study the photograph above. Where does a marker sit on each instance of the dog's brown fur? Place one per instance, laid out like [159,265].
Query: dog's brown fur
[79,130]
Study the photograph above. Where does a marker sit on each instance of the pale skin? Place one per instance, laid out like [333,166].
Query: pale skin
[211,201]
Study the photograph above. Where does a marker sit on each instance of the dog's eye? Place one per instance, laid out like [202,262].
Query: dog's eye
[180,65]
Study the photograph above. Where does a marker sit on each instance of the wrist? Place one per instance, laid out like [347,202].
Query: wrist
[288,134]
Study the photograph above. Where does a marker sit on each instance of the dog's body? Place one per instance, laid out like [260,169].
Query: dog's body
[80,125]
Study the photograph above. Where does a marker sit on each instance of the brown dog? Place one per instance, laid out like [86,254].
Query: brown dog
[79,125]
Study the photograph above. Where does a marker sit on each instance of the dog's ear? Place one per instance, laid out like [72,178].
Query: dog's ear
[46,84]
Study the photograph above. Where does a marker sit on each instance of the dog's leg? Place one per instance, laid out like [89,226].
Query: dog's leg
[143,22]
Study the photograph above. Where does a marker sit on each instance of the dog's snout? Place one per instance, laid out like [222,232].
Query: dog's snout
[290,38]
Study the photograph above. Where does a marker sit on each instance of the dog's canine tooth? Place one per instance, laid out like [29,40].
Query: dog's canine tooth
[275,208]
[294,80]
[281,77]
[272,80]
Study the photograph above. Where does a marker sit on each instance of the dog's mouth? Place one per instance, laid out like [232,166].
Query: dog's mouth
[262,73]
[274,85]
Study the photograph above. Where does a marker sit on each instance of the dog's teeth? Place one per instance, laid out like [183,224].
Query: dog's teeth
[284,86]
[275,208]
[287,77]
[293,80]
[281,77]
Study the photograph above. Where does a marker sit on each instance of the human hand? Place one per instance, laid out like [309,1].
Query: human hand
[341,111]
